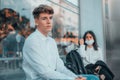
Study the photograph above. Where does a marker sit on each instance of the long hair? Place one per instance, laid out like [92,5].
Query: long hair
[95,45]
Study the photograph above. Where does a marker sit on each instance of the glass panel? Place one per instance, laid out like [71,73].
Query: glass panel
[65,29]
[75,2]
[15,18]
[17,23]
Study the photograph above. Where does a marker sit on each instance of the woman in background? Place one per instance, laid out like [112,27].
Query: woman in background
[93,58]
[89,50]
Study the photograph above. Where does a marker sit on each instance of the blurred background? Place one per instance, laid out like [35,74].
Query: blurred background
[71,19]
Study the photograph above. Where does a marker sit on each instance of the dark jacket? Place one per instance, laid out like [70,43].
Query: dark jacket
[74,62]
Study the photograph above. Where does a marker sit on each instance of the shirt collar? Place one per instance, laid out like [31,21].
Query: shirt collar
[43,37]
[90,48]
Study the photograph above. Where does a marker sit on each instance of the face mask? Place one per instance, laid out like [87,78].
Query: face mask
[89,42]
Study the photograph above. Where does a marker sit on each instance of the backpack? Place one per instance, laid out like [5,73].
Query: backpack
[74,63]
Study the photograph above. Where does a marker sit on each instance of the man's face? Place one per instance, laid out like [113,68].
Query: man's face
[44,23]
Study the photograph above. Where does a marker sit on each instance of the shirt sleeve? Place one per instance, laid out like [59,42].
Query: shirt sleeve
[70,47]
[81,51]
[61,68]
[33,55]
[101,57]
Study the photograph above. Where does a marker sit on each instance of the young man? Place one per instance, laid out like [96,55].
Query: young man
[41,59]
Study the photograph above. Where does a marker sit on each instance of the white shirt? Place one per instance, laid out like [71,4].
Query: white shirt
[41,60]
[90,55]
[70,47]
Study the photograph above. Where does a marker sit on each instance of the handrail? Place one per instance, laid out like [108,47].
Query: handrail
[10,58]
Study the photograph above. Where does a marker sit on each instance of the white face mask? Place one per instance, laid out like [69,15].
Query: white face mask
[89,42]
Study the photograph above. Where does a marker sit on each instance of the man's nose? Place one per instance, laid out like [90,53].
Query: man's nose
[48,21]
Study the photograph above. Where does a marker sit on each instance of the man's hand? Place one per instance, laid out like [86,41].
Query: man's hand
[80,78]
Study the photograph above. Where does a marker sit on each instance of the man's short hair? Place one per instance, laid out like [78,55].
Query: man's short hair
[42,9]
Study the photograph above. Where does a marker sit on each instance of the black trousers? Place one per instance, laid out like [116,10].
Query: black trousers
[104,70]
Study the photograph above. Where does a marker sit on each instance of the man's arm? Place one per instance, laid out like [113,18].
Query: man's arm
[36,58]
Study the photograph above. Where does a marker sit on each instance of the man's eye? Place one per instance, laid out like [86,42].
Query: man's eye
[51,17]
[43,18]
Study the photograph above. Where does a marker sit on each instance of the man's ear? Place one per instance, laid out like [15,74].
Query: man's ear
[36,22]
